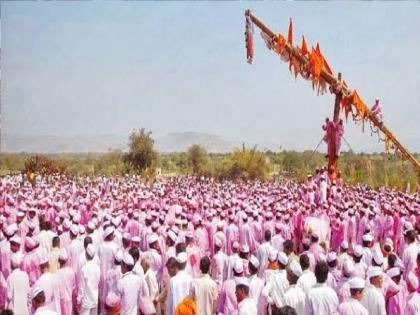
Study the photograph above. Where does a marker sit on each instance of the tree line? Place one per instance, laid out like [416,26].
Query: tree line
[242,164]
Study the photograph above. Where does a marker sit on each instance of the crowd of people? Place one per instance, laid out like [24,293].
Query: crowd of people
[186,245]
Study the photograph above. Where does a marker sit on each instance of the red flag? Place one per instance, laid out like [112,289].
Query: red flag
[290,33]
[304,48]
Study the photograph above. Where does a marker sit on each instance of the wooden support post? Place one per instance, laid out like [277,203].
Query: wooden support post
[332,150]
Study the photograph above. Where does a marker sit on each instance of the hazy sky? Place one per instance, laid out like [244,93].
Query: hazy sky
[75,68]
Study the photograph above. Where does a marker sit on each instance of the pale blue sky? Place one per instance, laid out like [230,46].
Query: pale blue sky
[71,68]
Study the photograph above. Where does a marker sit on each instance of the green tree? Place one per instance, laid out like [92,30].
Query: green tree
[196,158]
[142,157]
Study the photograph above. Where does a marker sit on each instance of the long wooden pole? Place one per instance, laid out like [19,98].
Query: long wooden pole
[332,80]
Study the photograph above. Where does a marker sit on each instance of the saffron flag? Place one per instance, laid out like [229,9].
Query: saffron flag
[359,104]
[304,49]
[290,33]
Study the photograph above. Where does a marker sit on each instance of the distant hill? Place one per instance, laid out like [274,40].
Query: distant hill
[174,142]
[181,141]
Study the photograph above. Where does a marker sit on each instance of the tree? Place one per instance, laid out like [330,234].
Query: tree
[196,156]
[141,157]
[246,164]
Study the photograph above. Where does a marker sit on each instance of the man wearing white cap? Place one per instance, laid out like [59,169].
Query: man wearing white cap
[352,306]
[367,240]
[67,281]
[321,299]
[45,236]
[204,289]
[256,284]
[180,284]
[227,303]
[38,302]
[130,287]
[107,250]
[359,266]
[294,295]
[343,254]
[48,282]
[377,110]
[74,248]
[277,284]
[396,303]
[154,256]
[343,287]
[230,262]
[246,305]
[410,252]
[17,288]
[88,293]
[373,299]
[263,252]
[218,263]
[413,298]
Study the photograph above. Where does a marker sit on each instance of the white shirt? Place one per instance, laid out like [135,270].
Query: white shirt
[130,287]
[276,285]
[18,292]
[50,284]
[296,298]
[43,310]
[151,283]
[89,285]
[306,281]
[409,257]
[321,300]
[262,255]
[352,307]
[204,289]
[247,307]
[413,304]
[179,289]
[374,301]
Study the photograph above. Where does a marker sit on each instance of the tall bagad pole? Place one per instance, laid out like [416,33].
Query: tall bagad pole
[340,90]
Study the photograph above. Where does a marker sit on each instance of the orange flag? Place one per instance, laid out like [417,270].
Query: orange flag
[358,103]
[290,33]
[281,42]
[346,104]
[304,48]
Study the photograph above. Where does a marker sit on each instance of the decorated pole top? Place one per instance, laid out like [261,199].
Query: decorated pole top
[312,66]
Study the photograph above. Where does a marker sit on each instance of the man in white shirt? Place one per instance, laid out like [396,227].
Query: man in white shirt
[373,299]
[413,298]
[277,284]
[410,252]
[307,280]
[49,283]
[246,305]
[352,306]
[130,287]
[263,252]
[38,303]
[256,285]
[17,288]
[219,263]
[88,294]
[180,284]
[294,295]
[204,289]
[321,299]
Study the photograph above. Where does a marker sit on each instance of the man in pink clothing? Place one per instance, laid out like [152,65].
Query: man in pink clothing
[227,304]
[67,283]
[396,303]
